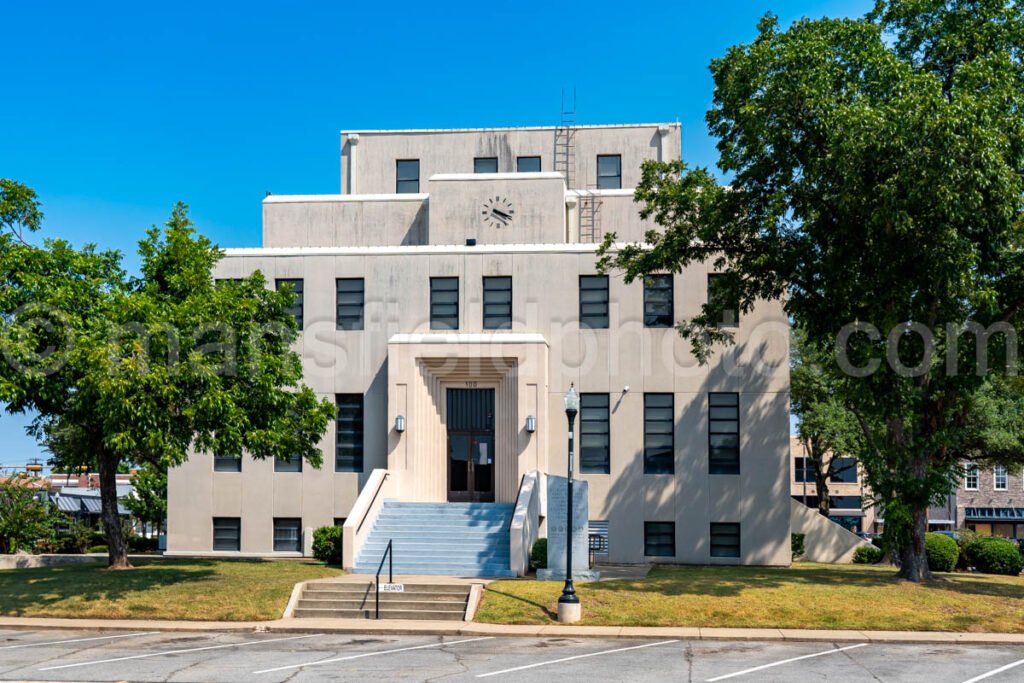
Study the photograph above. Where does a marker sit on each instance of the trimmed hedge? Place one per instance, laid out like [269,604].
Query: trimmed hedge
[98,549]
[539,554]
[327,544]
[995,556]
[942,552]
[867,554]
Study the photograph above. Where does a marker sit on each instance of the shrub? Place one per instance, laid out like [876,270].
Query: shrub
[942,552]
[964,537]
[539,554]
[97,537]
[141,544]
[97,549]
[327,544]
[867,554]
[796,544]
[995,556]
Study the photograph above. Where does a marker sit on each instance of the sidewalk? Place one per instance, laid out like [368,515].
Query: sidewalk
[450,628]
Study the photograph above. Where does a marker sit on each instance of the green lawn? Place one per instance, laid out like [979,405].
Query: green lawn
[804,596]
[231,590]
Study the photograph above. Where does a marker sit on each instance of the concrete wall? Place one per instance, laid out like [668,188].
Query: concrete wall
[824,540]
[334,220]
[799,489]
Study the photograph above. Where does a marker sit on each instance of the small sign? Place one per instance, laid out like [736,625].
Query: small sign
[392,588]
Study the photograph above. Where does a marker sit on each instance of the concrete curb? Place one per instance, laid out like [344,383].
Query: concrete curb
[405,627]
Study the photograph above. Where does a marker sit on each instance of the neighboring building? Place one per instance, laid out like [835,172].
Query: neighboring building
[849,498]
[448,298]
[991,502]
[78,495]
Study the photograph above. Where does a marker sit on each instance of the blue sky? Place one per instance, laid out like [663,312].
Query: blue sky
[113,112]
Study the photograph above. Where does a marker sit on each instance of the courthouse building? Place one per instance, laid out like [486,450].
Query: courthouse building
[448,298]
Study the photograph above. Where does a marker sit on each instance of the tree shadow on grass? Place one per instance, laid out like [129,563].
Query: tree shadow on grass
[542,607]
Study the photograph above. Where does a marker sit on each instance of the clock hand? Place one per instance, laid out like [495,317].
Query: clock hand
[501,214]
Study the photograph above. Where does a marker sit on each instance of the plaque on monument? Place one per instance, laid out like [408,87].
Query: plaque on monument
[557,534]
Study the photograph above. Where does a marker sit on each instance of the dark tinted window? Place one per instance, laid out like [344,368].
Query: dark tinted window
[497,303]
[350,300]
[528,164]
[349,433]
[287,534]
[724,433]
[658,301]
[407,176]
[717,294]
[226,463]
[725,539]
[444,303]
[660,539]
[609,172]
[659,434]
[844,502]
[594,301]
[292,464]
[845,471]
[595,443]
[296,307]
[805,470]
[485,165]
[227,533]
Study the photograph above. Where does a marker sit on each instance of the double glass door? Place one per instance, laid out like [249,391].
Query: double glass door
[471,445]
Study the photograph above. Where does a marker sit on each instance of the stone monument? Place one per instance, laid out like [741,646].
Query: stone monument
[557,497]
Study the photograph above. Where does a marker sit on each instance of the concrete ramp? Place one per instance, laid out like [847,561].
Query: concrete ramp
[824,540]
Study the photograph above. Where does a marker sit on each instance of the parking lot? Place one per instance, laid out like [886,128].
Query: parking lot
[273,657]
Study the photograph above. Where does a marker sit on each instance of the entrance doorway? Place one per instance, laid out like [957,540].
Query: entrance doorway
[471,445]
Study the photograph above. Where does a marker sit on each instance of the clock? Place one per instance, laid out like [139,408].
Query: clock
[497,212]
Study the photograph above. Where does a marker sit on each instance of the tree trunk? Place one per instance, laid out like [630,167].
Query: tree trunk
[913,558]
[116,547]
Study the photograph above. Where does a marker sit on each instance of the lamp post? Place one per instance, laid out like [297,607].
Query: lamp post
[569,603]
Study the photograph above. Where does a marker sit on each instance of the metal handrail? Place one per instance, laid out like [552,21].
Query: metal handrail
[516,504]
[372,501]
[390,557]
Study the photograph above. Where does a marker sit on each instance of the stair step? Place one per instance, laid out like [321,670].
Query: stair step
[410,589]
[391,604]
[433,615]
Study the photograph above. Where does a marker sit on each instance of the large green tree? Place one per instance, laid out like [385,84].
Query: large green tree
[876,179]
[26,517]
[148,502]
[148,369]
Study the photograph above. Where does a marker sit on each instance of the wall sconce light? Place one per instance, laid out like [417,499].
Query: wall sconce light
[400,423]
[531,424]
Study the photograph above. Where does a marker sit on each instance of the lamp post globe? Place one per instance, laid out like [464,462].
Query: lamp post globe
[568,602]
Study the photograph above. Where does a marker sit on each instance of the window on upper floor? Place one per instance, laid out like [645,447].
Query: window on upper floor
[804,470]
[349,433]
[718,295]
[296,308]
[444,303]
[226,463]
[1000,479]
[594,301]
[527,164]
[845,471]
[609,171]
[595,441]
[497,303]
[659,434]
[407,176]
[725,539]
[485,165]
[971,477]
[658,301]
[724,433]
[350,299]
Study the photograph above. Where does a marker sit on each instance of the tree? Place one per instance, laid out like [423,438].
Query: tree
[148,503]
[829,432]
[148,369]
[25,519]
[877,169]
[19,208]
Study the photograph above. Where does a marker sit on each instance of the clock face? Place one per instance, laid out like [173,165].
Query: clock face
[497,212]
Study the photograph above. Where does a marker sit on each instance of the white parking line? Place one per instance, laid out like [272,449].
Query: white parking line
[78,640]
[785,661]
[996,671]
[369,654]
[569,659]
[175,652]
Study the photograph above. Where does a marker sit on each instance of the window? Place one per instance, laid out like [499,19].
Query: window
[595,444]
[805,470]
[296,308]
[594,301]
[845,471]
[724,433]
[527,164]
[659,434]
[497,303]
[287,535]
[444,303]
[999,475]
[407,176]
[226,463]
[851,524]
[609,171]
[349,433]
[292,464]
[227,533]
[971,477]
[717,296]
[660,539]
[844,502]
[658,301]
[350,301]
[485,165]
[598,533]
[725,539]
[809,501]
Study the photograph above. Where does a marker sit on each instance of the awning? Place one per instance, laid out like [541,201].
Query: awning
[994,514]
[87,505]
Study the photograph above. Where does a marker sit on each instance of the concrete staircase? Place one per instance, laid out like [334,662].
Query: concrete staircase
[446,539]
[356,601]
